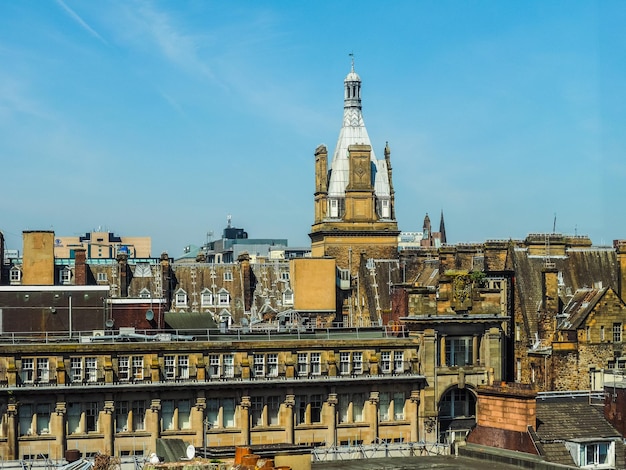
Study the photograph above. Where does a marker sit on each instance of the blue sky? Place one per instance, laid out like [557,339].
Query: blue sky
[160,118]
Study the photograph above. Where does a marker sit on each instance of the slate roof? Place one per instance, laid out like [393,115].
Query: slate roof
[580,305]
[568,419]
[580,268]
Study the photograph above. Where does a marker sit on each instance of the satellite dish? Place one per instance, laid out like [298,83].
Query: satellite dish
[191,451]
[109,323]
[149,315]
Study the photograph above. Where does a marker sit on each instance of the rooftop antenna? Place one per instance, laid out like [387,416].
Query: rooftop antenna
[228,220]
[554,224]
[352,56]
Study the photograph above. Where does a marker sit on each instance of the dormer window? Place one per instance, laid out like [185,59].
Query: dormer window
[66,275]
[206,298]
[144,293]
[181,298]
[223,297]
[15,275]
[288,297]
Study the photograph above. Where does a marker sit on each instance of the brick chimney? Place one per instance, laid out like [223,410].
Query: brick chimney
[80,267]
[507,406]
[504,414]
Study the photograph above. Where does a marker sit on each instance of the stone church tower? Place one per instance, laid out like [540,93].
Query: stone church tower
[354,198]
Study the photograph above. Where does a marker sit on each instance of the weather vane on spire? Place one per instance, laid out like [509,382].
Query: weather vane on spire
[352,56]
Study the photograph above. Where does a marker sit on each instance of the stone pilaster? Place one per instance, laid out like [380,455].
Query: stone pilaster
[331,419]
[245,419]
[372,414]
[414,406]
[107,426]
[290,401]
[57,426]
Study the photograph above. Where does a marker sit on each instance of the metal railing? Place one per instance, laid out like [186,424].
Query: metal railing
[380,449]
[239,334]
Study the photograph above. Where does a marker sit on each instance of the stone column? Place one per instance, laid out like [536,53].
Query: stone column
[57,426]
[290,401]
[373,401]
[442,351]
[245,419]
[153,421]
[414,415]
[107,426]
[198,418]
[12,420]
[475,350]
[331,417]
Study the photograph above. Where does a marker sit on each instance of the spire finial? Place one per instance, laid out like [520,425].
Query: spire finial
[352,56]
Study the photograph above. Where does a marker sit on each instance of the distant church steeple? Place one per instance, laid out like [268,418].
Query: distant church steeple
[442,230]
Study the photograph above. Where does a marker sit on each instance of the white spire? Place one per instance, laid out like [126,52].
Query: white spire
[353,131]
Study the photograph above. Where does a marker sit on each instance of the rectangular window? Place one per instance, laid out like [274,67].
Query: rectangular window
[384,406]
[358,400]
[228,411]
[256,411]
[43,418]
[273,407]
[66,276]
[343,408]
[138,367]
[123,368]
[167,415]
[602,333]
[91,416]
[385,362]
[316,408]
[169,364]
[303,364]
[272,365]
[595,454]
[588,333]
[398,362]
[228,276]
[139,415]
[28,370]
[344,363]
[76,369]
[213,412]
[91,369]
[357,362]
[183,367]
[617,332]
[43,370]
[184,414]
[214,366]
[25,415]
[74,413]
[316,363]
[300,409]
[121,416]
[229,365]
[102,277]
[398,406]
[259,365]
[458,351]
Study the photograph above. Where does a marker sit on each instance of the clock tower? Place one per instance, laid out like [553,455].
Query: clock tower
[354,201]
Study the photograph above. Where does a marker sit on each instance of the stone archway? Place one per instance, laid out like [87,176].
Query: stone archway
[457,413]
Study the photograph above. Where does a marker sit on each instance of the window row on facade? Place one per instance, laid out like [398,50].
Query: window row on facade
[82,417]
[179,367]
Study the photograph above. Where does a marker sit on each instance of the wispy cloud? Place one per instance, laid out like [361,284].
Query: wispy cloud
[15,100]
[80,21]
[177,46]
